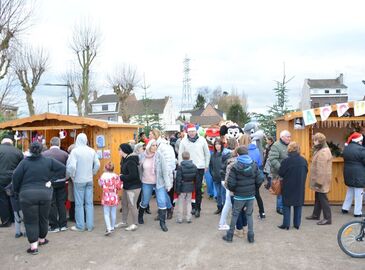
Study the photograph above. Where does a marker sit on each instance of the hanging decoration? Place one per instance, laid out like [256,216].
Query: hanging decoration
[309,117]
[63,134]
[342,108]
[359,108]
[325,112]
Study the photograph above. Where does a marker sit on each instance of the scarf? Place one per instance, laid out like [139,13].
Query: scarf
[193,140]
[318,147]
[153,156]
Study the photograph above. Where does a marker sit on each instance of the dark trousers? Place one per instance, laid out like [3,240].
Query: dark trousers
[241,219]
[297,216]
[198,190]
[71,211]
[57,215]
[6,211]
[237,208]
[259,201]
[321,203]
[36,204]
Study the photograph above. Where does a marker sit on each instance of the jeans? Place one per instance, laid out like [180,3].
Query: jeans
[297,216]
[110,213]
[221,195]
[168,201]
[161,196]
[84,195]
[57,215]
[209,182]
[279,203]
[238,206]
[259,201]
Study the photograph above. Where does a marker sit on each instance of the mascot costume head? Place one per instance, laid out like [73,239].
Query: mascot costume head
[256,134]
[211,134]
[228,129]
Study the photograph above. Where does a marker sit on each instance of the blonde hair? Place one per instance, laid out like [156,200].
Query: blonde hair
[156,133]
[293,147]
[244,140]
[320,137]
[148,146]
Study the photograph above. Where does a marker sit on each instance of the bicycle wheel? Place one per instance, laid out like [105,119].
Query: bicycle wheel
[351,239]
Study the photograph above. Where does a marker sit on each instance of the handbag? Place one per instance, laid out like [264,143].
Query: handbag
[276,186]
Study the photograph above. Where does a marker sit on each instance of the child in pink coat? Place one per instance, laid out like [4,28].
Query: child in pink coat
[110,183]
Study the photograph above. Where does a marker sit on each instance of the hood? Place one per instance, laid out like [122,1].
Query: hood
[81,140]
[133,158]
[244,159]
[244,165]
[251,146]
[187,163]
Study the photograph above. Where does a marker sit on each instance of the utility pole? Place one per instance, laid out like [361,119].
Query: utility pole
[52,103]
[186,90]
[68,93]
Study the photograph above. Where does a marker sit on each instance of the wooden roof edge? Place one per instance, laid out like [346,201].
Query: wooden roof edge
[317,112]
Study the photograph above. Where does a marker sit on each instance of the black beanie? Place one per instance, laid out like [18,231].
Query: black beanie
[126,148]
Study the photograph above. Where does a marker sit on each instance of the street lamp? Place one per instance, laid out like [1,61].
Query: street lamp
[68,93]
[52,103]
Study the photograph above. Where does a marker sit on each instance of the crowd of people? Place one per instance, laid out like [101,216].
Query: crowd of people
[34,189]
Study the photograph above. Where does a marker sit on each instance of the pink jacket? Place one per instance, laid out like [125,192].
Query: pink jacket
[110,183]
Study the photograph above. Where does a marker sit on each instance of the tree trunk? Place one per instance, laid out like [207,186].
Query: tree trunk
[79,108]
[122,110]
[30,103]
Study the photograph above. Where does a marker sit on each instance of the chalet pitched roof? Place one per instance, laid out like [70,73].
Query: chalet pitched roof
[326,83]
[198,112]
[206,120]
[8,107]
[134,106]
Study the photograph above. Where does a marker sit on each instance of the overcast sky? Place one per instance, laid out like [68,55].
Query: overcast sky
[232,44]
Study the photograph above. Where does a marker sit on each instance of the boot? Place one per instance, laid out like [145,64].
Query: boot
[170,213]
[228,237]
[140,215]
[218,211]
[162,215]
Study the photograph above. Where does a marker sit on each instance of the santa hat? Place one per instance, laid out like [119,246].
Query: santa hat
[355,137]
[191,127]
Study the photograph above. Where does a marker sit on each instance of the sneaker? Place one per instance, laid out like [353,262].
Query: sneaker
[18,235]
[344,211]
[121,225]
[262,215]
[75,229]
[107,232]
[188,221]
[55,230]
[32,251]
[224,227]
[179,221]
[63,229]
[132,228]
[45,242]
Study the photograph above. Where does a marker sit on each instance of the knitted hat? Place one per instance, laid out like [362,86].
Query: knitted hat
[191,127]
[355,137]
[126,148]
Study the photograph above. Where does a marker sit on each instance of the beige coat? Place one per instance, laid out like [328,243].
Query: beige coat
[321,171]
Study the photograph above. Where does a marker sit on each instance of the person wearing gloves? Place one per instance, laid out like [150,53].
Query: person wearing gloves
[154,175]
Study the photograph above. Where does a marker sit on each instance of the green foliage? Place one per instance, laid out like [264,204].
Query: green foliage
[200,102]
[335,149]
[267,123]
[238,115]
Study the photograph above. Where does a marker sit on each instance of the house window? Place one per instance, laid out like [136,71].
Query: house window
[104,107]
[326,91]
[338,91]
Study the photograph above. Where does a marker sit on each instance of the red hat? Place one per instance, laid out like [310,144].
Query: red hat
[355,137]
[191,127]
[212,132]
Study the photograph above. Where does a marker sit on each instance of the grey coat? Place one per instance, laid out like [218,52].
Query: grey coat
[278,152]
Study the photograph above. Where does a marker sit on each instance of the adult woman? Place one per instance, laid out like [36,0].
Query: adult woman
[354,173]
[294,171]
[215,166]
[154,175]
[31,180]
[320,179]
[131,184]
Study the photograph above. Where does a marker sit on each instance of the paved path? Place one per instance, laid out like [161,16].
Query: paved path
[187,246]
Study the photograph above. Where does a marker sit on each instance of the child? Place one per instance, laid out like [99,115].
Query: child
[185,176]
[18,214]
[110,183]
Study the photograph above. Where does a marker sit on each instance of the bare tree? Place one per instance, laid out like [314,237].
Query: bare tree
[123,82]
[14,19]
[74,82]
[85,44]
[29,65]
[7,94]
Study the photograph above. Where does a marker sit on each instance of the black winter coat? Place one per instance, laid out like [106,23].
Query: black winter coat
[130,172]
[225,158]
[9,159]
[215,166]
[244,177]
[294,171]
[35,171]
[354,167]
[186,174]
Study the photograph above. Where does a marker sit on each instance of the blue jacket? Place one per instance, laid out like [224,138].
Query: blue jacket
[254,153]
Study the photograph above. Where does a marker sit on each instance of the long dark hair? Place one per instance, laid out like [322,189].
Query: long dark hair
[218,141]
[35,149]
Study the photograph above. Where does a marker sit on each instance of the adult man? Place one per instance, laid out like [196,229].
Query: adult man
[9,160]
[82,164]
[199,152]
[278,152]
[57,214]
